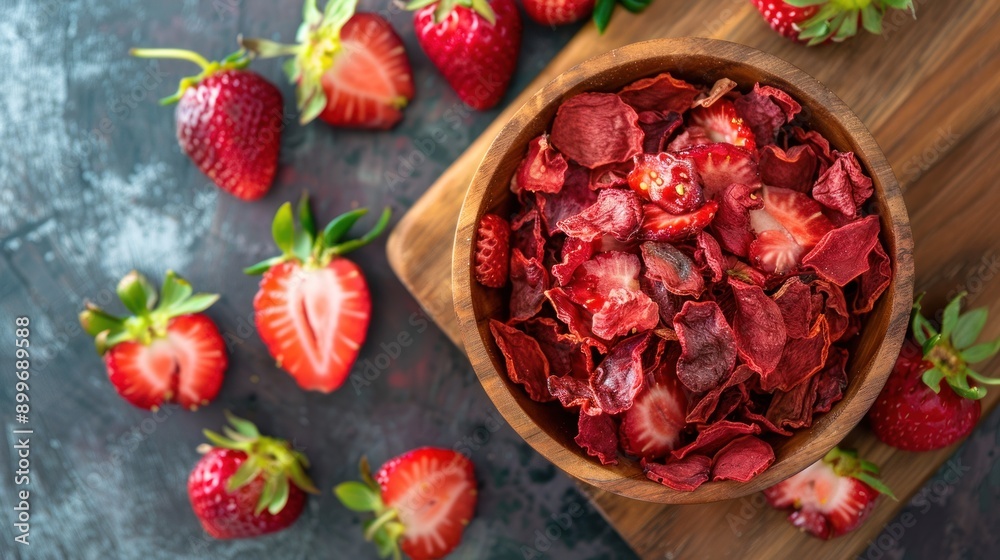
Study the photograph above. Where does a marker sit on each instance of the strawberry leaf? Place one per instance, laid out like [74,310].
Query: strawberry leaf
[366,473]
[266,494]
[244,427]
[980,352]
[950,318]
[264,265]
[932,378]
[246,472]
[357,496]
[982,378]
[175,289]
[138,295]
[968,328]
[960,384]
[194,304]
[280,497]
[283,229]
[95,320]
[306,216]
[875,483]
[602,14]
[365,239]
[339,226]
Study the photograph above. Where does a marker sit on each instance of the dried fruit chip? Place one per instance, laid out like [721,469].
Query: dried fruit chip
[708,256]
[789,225]
[690,137]
[617,212]
[659,225]
[492,251]
[742,459]
[683,475]
[543,169]
[607,286]
[621,375]
[819,144]
[595,129]
[526,234]
[714,437]
[526,364]
[573,392]
[611,175]
[718,91]
[575,252]
[759,327]
[794,169]
[831,381]
[801,358]
[671,267]
[652,427]
[658,127]
[598,436]
[705,407]
[529,280]
[624,312]
[873,281]
[668,303]
[794,408]
[834,307]
[732,223]
[576,319]
[667,180]
[660,93]
[720,165]
[842,254]
[708,345]
[574,198]
[565,355]
[766,109]
[794,299]
[844,187]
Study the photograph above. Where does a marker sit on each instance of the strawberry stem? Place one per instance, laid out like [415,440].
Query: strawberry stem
[179,54]
[235,61]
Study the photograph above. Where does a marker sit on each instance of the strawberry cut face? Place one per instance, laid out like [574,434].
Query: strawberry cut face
[314,321]
[788,226]
[826,505]
[721,165]
[668,181]
[721,124]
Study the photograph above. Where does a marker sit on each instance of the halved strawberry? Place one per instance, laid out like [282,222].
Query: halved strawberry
[652,427]
[313,305]
[668,181]
[349,69]
[722,124]
[422,501]
[789,225]
[720,165]
[659,225]
[831,497]
[166,353]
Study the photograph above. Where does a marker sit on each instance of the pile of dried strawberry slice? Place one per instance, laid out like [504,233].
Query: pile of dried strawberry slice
[685,266]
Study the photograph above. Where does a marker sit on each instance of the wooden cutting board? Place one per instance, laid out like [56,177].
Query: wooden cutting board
[929,90]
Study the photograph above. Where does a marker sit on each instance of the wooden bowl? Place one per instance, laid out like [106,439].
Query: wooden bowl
[548,427]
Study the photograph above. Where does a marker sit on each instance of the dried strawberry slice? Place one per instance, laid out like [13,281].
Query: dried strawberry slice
[873,281]
[789,225]
[652,427]
[492,254]
[669,266]
[722,124]
[611,175]
[831,381]
[596,278]
[566,356]
[708,256]
[690,137]
[574,198]
[721,165]
[660,93]
[801,358]
[766,109]
[759,327]
[742,459]
[842,254]
[794,169]
[529,280]
[598,436]
[542,170]
[658,127]
[577,320]
[659,225]
[704,408]
[595,129]
[682,475]
[621,375]
[526,364]
[794,299]
[844,187]
[714,437]
[732,223]
[668,181]
[575,252]
[617,212]
[708,345]
[573,392]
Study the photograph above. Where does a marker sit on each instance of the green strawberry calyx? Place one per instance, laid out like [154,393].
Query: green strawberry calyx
[444,7]
[951,350]
[318,45]
[151,311]
[311,248]
[236,61]
[385,529]
[272,458]
[845,463]
[838,20]
[604,8]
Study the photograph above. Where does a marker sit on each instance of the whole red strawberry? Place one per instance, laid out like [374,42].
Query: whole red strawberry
[831,497]
[422,501]
[166,352]
[474,43]
[915,411]
[349,69]
[492,258]
[313,306]
[229,121]
[246,484]
[558,12]
[819,21]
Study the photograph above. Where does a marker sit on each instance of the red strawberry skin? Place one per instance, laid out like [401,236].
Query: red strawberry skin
[370,80]
[783,17]
[186,366]
[314,321]
[435,492]
[908,415]
[230,125]
[492,258]
[558,12]
[476,58]
[231,516]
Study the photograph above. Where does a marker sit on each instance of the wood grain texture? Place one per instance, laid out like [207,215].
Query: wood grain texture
[928,91]
[548,427]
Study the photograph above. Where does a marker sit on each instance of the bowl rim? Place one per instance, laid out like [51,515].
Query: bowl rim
[837,423]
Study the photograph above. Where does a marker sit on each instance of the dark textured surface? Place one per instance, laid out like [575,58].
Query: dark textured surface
[92,184]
